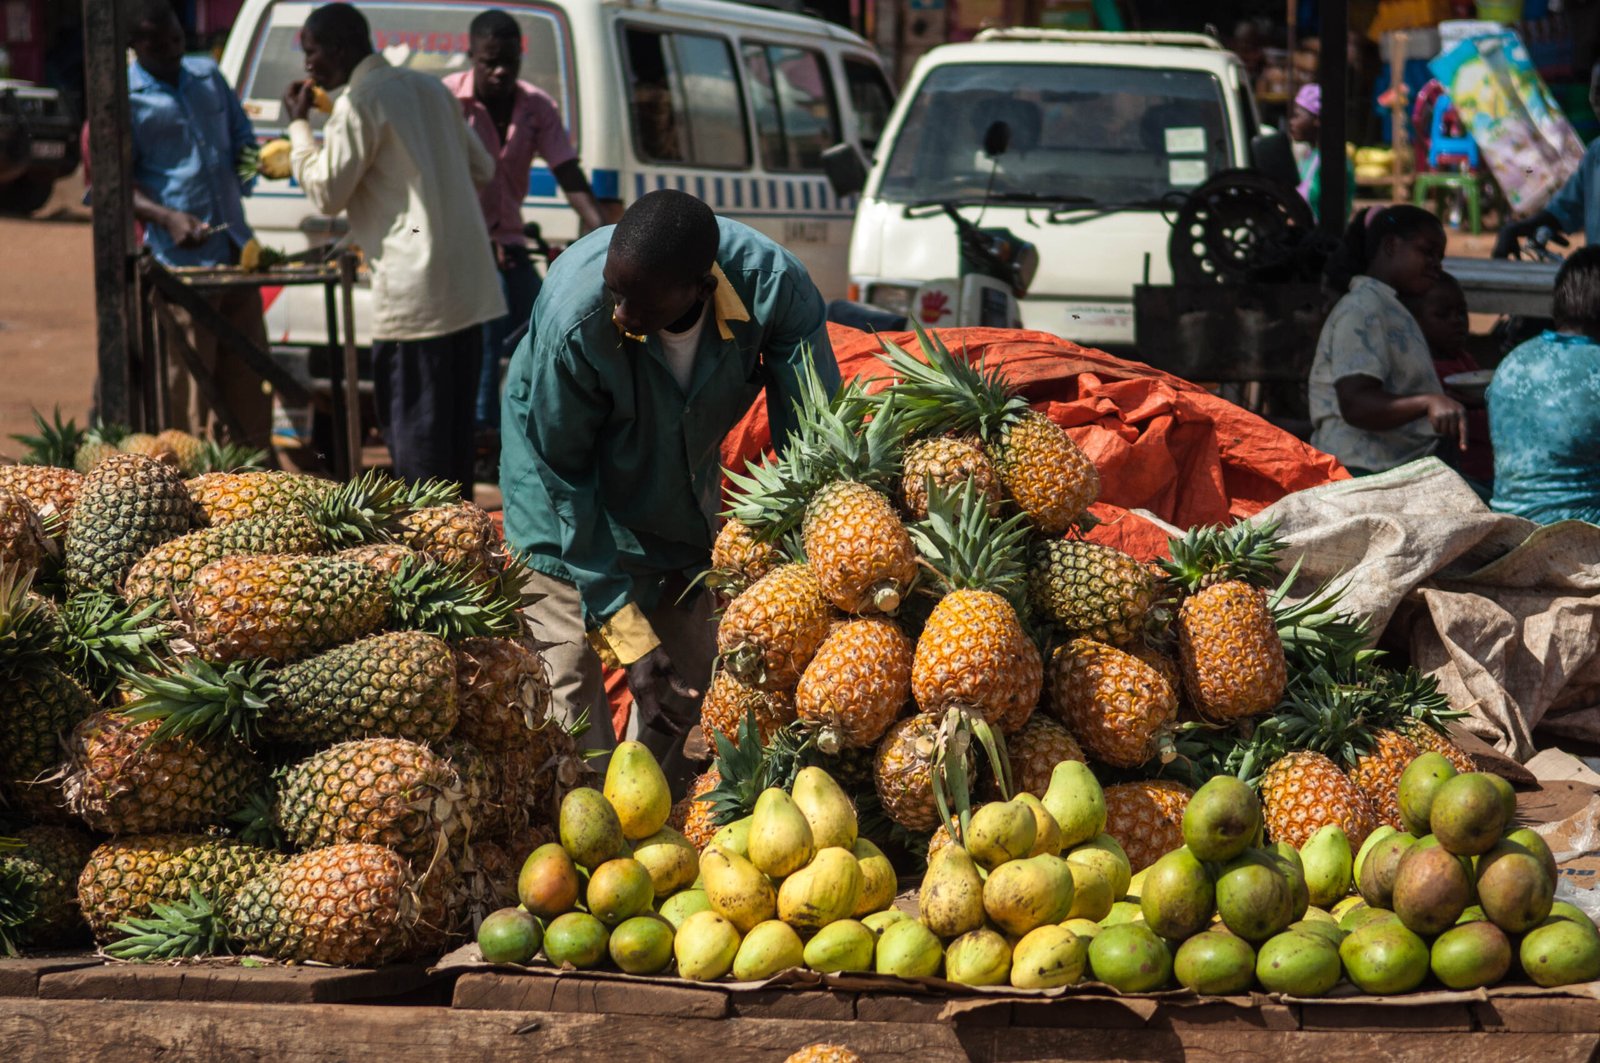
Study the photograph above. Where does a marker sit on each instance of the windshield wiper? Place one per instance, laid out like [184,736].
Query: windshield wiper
[1089,208]
[1056,202]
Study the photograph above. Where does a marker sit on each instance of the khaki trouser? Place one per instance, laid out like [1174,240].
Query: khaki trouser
[689,635]
[242,389]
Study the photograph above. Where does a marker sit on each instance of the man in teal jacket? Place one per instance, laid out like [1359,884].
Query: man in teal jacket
[649,341]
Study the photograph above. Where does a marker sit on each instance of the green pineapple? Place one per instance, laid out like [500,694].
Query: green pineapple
[123,878]
[39,887]
[128,505]
[1091,590]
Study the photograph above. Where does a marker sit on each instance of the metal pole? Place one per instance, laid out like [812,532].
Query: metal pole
[352,372]
[1334,77]
[343,460]
[111,165]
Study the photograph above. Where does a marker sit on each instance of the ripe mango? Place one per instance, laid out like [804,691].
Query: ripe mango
[1221,819]
[1468,814]
[1470,955]
[638,790]
[1130,958]
[1561,952]
[978,957]
[619,890]
[1384,957]
[1047,832]
[770,947]
[1178,897]
[1048,956]
[1327,861]
[681,905]
[734,837]
[1023,894]
[907,949]
[671,860]
[1513,889]
[878,922]
[547,886]
[844,945]
[705,946]
[1076,802]
[1107,852]
[509,935]
[1418,784]
[590,831]
[738,891]
[1091,891]
[879,883]
[1432,889]
[1215,964]
[1367,846]
[1382,866]
[1300,964]
[576,938]
[1534,842]
[642,945]
[1000,831]
[780,837]
[1254,896]
[951,898]
[827,809]
[824,891]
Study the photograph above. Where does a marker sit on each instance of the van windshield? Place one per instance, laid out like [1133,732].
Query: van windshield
[1079,134]
[430,37]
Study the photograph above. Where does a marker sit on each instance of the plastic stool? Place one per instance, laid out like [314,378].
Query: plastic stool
[1425,184]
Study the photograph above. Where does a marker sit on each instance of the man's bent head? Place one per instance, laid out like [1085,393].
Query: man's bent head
[659,264]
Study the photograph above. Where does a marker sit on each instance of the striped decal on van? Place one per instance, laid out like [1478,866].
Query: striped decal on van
[761,196]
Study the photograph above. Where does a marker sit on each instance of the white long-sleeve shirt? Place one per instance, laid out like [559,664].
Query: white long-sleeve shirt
[398,157]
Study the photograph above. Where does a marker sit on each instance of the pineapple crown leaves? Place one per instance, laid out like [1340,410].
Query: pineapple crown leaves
[1411,696]
[426,494]
[172,931]
[228,457]
[361,511]
[55,444]
[967,547]
[30,625]
[743,771]
[942,393]
[1214,554]
[428,595]
[104,640]
[18,899]
[1316,634]
[108,432]
[256,821]
[198,700]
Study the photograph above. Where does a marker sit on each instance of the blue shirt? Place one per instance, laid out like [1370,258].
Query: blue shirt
[1544,418]
[1578,202]
[186,144]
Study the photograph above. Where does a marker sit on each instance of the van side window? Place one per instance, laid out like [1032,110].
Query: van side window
[871,99]
[796,117]
[685,98]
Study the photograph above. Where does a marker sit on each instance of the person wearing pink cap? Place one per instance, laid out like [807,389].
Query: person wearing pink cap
[1305,123]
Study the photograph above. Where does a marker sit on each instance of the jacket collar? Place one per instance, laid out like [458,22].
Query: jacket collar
[726,302]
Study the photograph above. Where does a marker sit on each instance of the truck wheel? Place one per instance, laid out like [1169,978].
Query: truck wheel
[26,194]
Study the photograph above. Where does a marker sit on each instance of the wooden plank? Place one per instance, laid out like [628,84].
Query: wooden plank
[110,169]
[495,991]
[128,1032]
[1217,1014]
[260,985]
[19,975]
[1537,1015]
[792,1004]
[1396,1017]
[892,1007]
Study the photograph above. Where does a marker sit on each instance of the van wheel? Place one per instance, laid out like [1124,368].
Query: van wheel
[26,194]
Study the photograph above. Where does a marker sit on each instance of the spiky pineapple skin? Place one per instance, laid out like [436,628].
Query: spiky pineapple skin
[1146,818]
[1429,740]
[857,684]
[504,689]
[92,453]
[348,905]
[461,534]
[45,486]
[1377,772]
[974,654]
[220,497]
[165,572]
[859,548]
[186,448]
[1091,590]
[691,817]
[119,784]
[728,700]
[383,558]
[1116,705]
[23,543]
[400,684]
[824,1052]
[1045,473]
[146,445]
[1304,791]
[127,506]
[384,791]
[49,862]
[769,633]
[125,876]
[949,461]
[902,773]
[1232,657]
[40,705]
[1035,750]
[280,606]
[738,558]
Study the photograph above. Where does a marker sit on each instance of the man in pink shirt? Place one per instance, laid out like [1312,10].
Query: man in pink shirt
[516,121]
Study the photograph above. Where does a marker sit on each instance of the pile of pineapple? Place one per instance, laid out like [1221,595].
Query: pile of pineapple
[258,711]
[912,605]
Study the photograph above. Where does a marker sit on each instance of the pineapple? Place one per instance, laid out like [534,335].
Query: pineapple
[385,791]
[1091,590]
[1429,738]
[903,773]
[127,507]
[948,461]
[280,606]
[1041,469]
[124,877]
[24,544]
[728,701]
[39,887]
[50,490]
[1377,772]
[120,783]
[400,684]
[858,547]
[220,497]
[973,653]
[99,442]
[385,558]
[504,690]
[1304,791]
[824,1052]
[462,536]
[148,446]
[1036,750]
[1146,818]
[40,704]
[856,685]
[1232,654]
[769,633]
[187,450]
[738,558]
[691,816]
[1119,707]
[353,513]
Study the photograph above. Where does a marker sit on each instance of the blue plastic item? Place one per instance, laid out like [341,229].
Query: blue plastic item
[1439,143]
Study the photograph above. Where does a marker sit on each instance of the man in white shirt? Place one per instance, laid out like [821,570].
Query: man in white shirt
[397,155]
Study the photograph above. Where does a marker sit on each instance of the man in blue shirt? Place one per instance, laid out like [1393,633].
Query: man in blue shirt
[1575,208]
[188,132]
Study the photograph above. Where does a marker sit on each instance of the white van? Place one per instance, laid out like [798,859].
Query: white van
[1104,129]
[731,102]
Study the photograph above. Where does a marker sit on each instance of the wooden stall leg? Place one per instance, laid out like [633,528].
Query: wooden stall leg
[201,375]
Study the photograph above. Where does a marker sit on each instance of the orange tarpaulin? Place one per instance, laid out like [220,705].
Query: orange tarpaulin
[1161,443]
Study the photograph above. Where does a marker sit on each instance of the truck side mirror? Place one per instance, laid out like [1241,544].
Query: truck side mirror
[1272,156]
[846,170]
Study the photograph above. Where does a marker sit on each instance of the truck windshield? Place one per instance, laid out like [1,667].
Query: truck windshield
[1079,134]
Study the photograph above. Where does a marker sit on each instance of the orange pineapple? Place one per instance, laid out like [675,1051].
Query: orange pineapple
[770,632]
[739,558]
[949,461]
[728,701]
[1036,750]
[857,684]
[1146,818]
[1118,706]
[1303,791]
